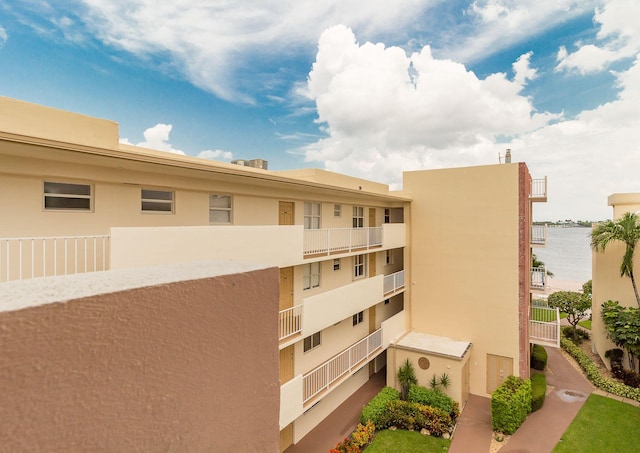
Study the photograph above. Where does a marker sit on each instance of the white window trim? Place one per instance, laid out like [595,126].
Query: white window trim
[46,195]
[362,265]
[312,345]
[311,225]
[358,217]
[358,318]
[217,209]
[309,274]
[337,264]
[170,202]
[337,210]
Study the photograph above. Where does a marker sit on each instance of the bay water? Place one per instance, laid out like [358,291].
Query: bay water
[567,253]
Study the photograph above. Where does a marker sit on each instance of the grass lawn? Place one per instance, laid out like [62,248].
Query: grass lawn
[407,442]
[602,425]
[586,323]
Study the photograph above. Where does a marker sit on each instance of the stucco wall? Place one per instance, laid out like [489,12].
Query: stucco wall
[177,366]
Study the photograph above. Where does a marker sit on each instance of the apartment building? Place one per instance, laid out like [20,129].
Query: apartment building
[606,279]
[439,273]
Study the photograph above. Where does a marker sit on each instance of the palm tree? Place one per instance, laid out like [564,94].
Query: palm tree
[627,230]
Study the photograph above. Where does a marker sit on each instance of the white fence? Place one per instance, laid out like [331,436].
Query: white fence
[544,326]
[341,365]
[23,258]
[290,321]
[393,282]
[538,278]
[335,240]
[539,188]
[538,234]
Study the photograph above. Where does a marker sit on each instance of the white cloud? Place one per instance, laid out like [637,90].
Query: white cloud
[3,36]
[522,70]
[618,38]
[386,112]
[157,138]
[210,43]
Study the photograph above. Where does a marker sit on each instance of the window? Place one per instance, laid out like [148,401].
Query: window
[388,257]
[67,196]
[311,216]
[157,201]
[359,267]
[312,341]
[337,210]
[358,318]
[219,208]
[358,217]
[311,277]
[387,215]
[336,264]
[386,301]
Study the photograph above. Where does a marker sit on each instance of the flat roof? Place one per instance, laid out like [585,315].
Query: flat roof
[434,344]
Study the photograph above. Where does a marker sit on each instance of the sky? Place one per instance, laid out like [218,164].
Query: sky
[369,89]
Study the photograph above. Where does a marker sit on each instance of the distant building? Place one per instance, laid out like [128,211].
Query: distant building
[439,273]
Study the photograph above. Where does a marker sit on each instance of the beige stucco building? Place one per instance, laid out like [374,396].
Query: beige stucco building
[607,282]
[439,273]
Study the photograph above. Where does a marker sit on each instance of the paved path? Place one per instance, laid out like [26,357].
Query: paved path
[567,389]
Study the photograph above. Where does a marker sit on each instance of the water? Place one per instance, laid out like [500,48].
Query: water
[567,253]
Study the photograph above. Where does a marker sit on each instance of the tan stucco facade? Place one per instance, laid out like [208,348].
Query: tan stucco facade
[607,282]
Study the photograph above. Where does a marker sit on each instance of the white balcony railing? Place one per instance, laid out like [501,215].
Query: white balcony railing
[23,258]
[290,321]
[544,326]
[336,240]
[340,366]
[538,234]
[539,188]
[538,278]
[393,282]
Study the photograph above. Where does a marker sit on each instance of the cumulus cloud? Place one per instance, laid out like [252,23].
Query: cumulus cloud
[618,38]
[522,69]
[385,111]
[157,138]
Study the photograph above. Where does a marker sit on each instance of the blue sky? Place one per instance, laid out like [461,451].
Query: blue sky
[370,92]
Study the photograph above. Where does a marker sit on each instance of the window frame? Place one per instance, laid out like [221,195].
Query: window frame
[311,220]
[69,195]
[357,219]
[389,257]
[337,210]
[309,274]
[313,344]
[219,209]
[387,215]
[337,264]
[359,266]
[160,201]
[357,318]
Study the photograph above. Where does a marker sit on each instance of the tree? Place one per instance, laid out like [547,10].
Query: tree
[574,304]
[623,328]
[626,230]
[535,262]
[406,377]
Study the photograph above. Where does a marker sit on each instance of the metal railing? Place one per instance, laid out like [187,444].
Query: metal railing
[24,258]
[544,326]
[335,240]
[290,321]
[341,365]
[538,278]
[538,234]
[393,282]
[539,188]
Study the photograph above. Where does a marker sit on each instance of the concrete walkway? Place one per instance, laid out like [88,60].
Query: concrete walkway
[567,390]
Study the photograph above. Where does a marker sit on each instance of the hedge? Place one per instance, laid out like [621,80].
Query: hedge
[415,416]
[377,407]
[510,404]
[593,374]
[538,390]
[434,398]
[538,358]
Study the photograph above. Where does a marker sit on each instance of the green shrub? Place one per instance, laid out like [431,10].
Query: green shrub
[538,358]
[538,390]
[575,335]
[510,404]
[434,398]
[415,416]
[378,405]
[593,374]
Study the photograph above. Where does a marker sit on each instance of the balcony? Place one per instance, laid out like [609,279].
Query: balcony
[538,235]
[290,322]
[544,326]
[341,240]
[393,283]
[538,190]
[31,257]
[538,278]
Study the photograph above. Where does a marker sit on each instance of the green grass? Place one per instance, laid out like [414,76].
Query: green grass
[586,323]
[407,442]
[602,425]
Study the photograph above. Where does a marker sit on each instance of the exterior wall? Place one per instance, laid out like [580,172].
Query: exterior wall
[152,368]
[607,282]
[465,260]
